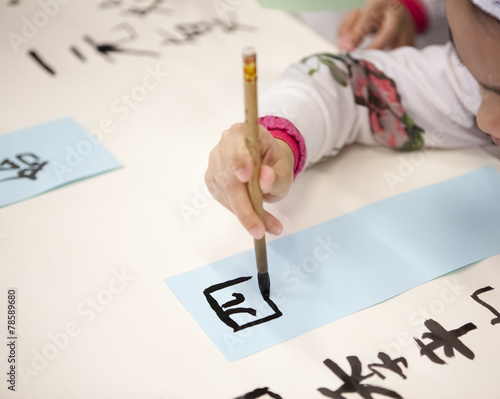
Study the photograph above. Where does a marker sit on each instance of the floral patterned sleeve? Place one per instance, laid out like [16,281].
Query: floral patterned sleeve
[389,123]
[405,99]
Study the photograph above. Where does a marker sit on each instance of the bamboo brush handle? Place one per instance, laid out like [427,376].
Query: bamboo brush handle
[253,145]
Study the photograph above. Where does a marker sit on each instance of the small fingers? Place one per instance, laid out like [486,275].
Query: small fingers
[231,167]
[345,40]
[387,35]
[234,153]
[348,22]
[240,205]
[273,225]
[368,24]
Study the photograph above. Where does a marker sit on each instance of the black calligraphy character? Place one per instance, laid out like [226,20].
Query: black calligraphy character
[188,32]
[169,38]
[447,339]
[8,165]
[106,49]
[33,166]
[110,3]
[259,393]
[232,24]
[154,6]
[389,364]
[227,309]
[352,383]
[475,296]
[33,54]
[77,53]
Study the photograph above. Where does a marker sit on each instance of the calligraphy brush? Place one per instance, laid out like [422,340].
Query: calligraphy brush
[253,145]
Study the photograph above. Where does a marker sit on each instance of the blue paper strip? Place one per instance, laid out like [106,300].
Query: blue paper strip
[339,267]
[40,158]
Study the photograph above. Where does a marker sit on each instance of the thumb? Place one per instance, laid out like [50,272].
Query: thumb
[387,34]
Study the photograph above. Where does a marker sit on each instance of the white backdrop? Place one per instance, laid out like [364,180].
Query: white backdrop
[125,231]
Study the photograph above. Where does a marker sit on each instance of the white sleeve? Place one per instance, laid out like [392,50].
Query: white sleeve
[404,99]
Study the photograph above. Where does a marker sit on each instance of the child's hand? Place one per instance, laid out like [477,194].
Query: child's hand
[388,20]
[230,167]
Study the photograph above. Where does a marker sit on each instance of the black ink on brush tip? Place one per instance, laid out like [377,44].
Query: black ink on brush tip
[264,284]
[225,310]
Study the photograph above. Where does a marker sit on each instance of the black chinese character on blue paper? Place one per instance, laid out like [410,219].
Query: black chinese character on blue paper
[229,308]
[26,165]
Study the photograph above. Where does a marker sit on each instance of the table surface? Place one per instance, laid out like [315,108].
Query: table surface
[63,249]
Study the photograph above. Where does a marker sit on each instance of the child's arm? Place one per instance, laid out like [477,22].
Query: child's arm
[318,106]
[420,98]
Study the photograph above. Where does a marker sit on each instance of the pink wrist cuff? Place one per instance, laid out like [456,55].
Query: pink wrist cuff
[419,13]
[285,130]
